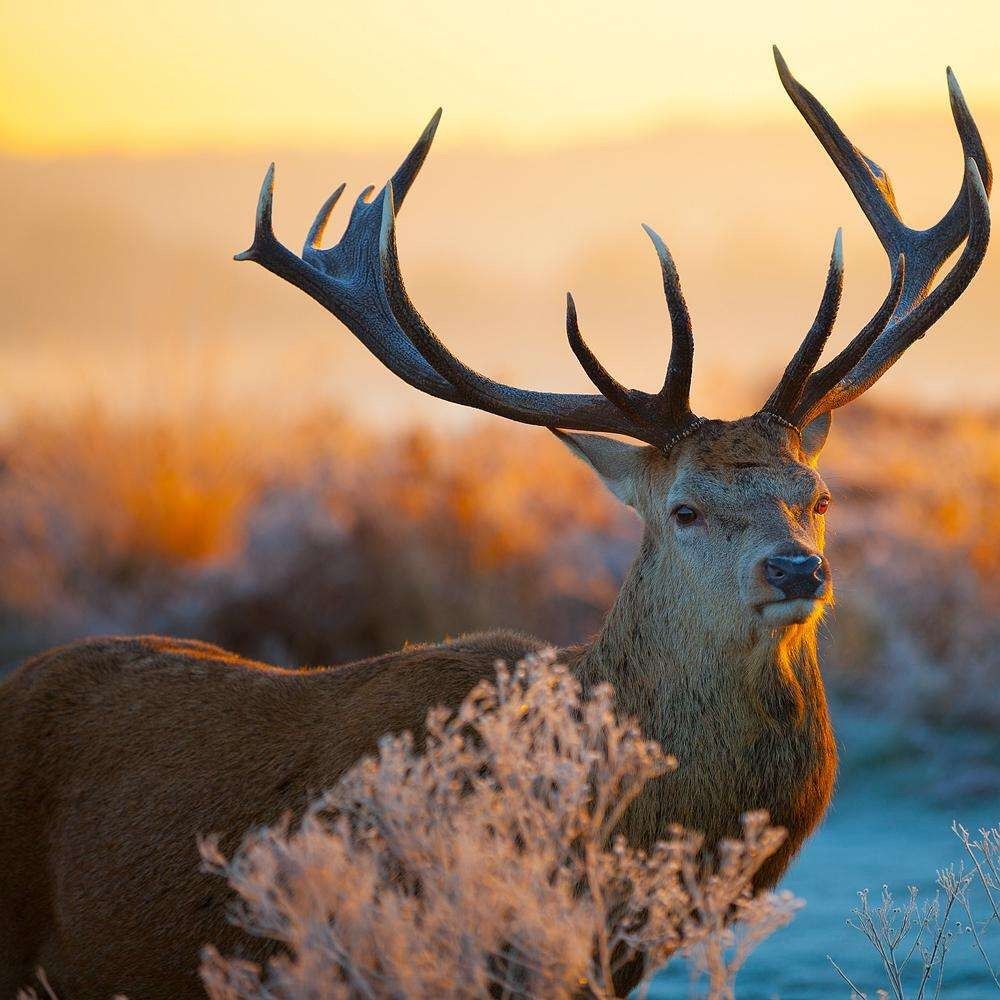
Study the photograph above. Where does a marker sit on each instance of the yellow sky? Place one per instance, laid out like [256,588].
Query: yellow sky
[181,74]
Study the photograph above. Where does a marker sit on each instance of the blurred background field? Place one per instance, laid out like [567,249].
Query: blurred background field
[319,540]
[190,446]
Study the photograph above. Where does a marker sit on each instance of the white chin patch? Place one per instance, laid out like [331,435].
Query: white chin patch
[793,612]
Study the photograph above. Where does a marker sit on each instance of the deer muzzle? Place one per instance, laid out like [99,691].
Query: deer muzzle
[798,576]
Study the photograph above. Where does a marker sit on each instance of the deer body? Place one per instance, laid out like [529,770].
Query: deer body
[143,744]
[116,754]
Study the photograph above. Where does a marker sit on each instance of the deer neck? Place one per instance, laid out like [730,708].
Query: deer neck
[675,662]
[742,710]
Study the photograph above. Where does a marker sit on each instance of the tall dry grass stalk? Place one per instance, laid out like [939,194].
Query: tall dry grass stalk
[485,864]
[913,940]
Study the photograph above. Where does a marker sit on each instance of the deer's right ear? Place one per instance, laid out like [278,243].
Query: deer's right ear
[814,436]
[616,462]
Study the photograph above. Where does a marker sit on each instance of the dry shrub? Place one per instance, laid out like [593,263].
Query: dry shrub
[47,993]
[487,864]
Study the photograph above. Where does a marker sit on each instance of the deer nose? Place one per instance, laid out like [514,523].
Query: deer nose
[799,575]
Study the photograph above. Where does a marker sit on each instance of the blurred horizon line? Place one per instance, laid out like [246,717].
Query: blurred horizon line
[860,116]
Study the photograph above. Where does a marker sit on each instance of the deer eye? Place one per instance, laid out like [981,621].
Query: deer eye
[822,505]
[685,515]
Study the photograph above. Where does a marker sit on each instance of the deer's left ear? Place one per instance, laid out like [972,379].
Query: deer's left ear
[616,462]
[814,435]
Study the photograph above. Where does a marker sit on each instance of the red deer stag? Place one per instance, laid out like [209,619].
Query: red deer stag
[118,752]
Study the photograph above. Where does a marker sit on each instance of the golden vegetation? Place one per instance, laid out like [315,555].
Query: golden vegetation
[313,540]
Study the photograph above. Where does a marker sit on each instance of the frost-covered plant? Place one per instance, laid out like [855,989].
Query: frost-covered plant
[903,934]
[47,993]
[485,863]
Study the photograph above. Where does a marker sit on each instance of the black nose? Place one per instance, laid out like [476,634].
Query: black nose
[797,575]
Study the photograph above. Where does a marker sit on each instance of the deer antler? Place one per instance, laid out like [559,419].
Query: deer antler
[915,257]
[359,281]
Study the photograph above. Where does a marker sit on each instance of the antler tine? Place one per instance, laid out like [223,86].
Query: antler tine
[402,180]
[956,221]
[315,235]
[822,381]
[789,390]
[673,400]
[267,251]
[608,385]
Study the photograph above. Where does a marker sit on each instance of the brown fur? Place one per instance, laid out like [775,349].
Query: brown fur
[117,753]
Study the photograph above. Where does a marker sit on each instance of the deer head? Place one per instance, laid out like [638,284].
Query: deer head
[735,507]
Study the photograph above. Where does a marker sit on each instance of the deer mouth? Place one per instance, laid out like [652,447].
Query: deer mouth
[792,610]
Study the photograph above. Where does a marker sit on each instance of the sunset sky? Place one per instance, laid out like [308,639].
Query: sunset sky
[120,76]
[133,138]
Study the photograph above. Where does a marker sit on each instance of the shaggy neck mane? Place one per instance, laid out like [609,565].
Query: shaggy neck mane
[671,659]
[742,707]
